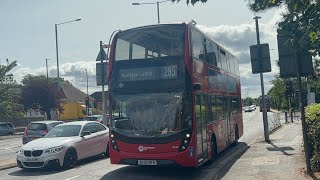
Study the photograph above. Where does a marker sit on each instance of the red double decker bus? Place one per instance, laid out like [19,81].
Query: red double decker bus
[174,96]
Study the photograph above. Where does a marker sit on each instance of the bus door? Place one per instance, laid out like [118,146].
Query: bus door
[201,119]
[228,109]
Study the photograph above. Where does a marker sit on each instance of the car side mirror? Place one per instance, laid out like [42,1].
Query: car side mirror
[85,133]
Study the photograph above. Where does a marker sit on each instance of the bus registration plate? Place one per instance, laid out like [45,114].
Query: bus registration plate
[147,162]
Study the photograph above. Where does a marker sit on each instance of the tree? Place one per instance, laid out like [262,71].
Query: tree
[10,107]
[38,93]
[191,1]
[301,22]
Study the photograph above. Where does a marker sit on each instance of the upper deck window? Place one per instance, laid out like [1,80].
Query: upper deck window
[150,42]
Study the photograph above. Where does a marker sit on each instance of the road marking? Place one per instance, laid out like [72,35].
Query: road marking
[73,177]
[9,148]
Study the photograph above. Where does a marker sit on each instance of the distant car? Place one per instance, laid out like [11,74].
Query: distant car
[38,129]
[6,128]
[96,118]
[253,107]
[65,144]
[247,109]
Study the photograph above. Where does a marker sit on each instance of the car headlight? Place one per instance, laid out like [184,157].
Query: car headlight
[54,149]
[20,151]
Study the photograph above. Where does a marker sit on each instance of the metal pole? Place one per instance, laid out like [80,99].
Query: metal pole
[158,12]
[291,116]
[304,124]
[264,111]
[87,92]
[58,74]
[47,70]
[103,93]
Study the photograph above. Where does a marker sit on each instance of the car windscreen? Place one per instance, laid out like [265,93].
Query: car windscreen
[91,118]
[64,131]
[3,126]
[37,126]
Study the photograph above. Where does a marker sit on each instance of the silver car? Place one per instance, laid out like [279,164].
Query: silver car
[65,144]
[6,128]
[38,129]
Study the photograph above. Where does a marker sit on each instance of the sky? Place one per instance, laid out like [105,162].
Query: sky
[27,34]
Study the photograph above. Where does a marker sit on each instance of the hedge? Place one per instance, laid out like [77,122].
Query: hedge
[313,131]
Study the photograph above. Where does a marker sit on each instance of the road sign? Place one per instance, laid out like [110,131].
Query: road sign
[101,69]
[102,55]
[290,60]
[260,58]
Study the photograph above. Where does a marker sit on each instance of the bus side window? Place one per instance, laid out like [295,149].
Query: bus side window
[197,45]
[213,104]
[220,107]
[210,54]
[219,64]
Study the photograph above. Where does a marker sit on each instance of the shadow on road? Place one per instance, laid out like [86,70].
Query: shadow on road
[141,173]
[206,171]
[227,166]
[54,170]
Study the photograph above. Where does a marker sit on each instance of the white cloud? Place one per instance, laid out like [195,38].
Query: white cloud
[236,38]
[73,72]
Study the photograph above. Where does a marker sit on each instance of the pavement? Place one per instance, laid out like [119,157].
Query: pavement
[282,158]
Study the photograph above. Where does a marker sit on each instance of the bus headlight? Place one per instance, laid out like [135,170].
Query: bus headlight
[185,141]
[114,143]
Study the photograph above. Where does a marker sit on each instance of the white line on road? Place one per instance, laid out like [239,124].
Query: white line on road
[73,177]
[9,149]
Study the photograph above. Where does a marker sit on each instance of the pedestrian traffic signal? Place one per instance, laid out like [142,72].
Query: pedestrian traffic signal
[87,101]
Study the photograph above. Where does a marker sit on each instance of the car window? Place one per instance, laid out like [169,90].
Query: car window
[37,126]
[90,127]
[100,127]
[64,131]
[54,124]
[3,126]
[91,118]
[10,125]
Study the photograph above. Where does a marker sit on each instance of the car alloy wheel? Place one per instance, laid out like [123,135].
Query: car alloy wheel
[70,158]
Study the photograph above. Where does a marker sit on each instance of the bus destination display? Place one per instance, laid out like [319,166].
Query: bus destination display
[148,73]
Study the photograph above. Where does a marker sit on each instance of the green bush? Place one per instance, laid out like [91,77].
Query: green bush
[313,131]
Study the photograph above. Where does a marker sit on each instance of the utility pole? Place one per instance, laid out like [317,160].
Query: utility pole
[103,93]
[87,92]
[303,121]
[47,70]
[264,111]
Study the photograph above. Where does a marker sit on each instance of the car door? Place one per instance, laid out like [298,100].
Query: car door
[102,138]
[88,145]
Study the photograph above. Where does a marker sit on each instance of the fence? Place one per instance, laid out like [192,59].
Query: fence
[23,122]
[274,121]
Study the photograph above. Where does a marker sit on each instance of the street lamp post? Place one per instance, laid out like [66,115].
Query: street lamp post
[158,2]
[47,69]
[57,52]
[87,91]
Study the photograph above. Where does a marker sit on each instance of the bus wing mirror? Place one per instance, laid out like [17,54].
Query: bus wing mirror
[197,86]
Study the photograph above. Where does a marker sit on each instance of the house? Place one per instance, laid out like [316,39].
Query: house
[98,97]
[73,102]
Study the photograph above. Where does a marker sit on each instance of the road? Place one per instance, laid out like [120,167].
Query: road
[9,145]
[100,168]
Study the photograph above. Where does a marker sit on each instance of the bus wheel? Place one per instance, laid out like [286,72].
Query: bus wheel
[213,149]
[236,136]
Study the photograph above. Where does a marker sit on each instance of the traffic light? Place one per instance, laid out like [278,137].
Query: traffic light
[87,101]
[289,89]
